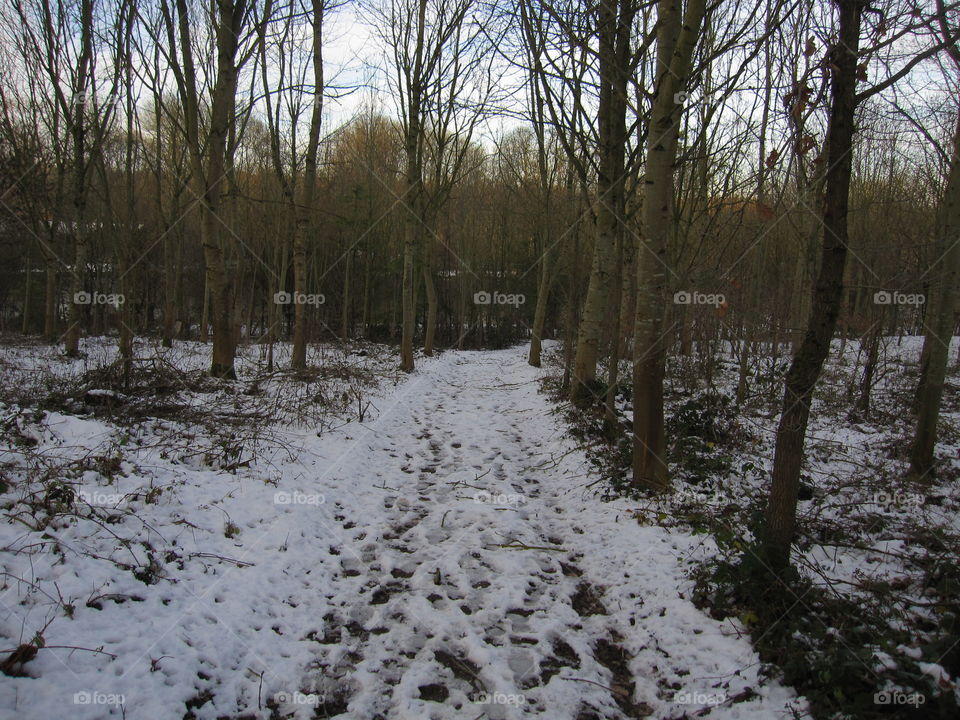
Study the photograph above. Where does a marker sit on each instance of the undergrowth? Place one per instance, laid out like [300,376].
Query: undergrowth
[857,645]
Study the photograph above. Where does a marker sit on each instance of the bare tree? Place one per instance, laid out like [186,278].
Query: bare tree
[676,40]
[65,42]
[207,126]
[941,311]
[304,213]
[442,79]
[807,364]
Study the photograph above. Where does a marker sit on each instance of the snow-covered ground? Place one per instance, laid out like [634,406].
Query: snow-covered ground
[445,558]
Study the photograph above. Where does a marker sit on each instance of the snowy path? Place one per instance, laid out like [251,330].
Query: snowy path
[433,609]
[456,567]
[463,615]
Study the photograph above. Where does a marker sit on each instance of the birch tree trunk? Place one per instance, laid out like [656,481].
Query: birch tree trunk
[676,41]
[540,311]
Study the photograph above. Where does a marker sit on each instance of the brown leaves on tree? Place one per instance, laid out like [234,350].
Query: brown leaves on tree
[798,99]
[805,144]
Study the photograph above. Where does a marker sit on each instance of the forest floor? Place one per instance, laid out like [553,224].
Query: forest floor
[351,543]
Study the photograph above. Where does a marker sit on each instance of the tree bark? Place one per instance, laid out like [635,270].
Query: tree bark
[940,323]
[611,426]
[50,299]
[304,213]
[862,407]
[209,158]
[78,129]
[540,311]
[431,293]
[414,188]
[346,316]
[676,40]
[25,320]
[780,521]
[614,33]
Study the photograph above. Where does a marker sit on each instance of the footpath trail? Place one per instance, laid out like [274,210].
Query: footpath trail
[480,577]
[448,559]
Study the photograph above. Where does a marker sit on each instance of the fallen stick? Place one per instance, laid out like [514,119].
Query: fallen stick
[240,563]
[521,546]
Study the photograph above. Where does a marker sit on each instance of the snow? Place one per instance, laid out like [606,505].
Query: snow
[435,547]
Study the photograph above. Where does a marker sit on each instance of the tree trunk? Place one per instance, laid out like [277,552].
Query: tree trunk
[807,364]
[940,323]
[611,426]
[744,372]
[676,41]
[614,34]
[345,313]
[862,407]
[431,292]
[544,185]
[78,130]
[628,297]
[205,312]
[25,320]
[209,161]
[406,337]
[414,182]
[169,291]
[50,300]
[540,311]
[304,214]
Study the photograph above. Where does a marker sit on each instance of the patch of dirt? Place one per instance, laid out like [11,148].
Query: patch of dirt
[586,601]
[434,692]
[617,660]
[563,656]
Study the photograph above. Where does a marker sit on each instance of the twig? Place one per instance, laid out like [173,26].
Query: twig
[522,546]
[239,563]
